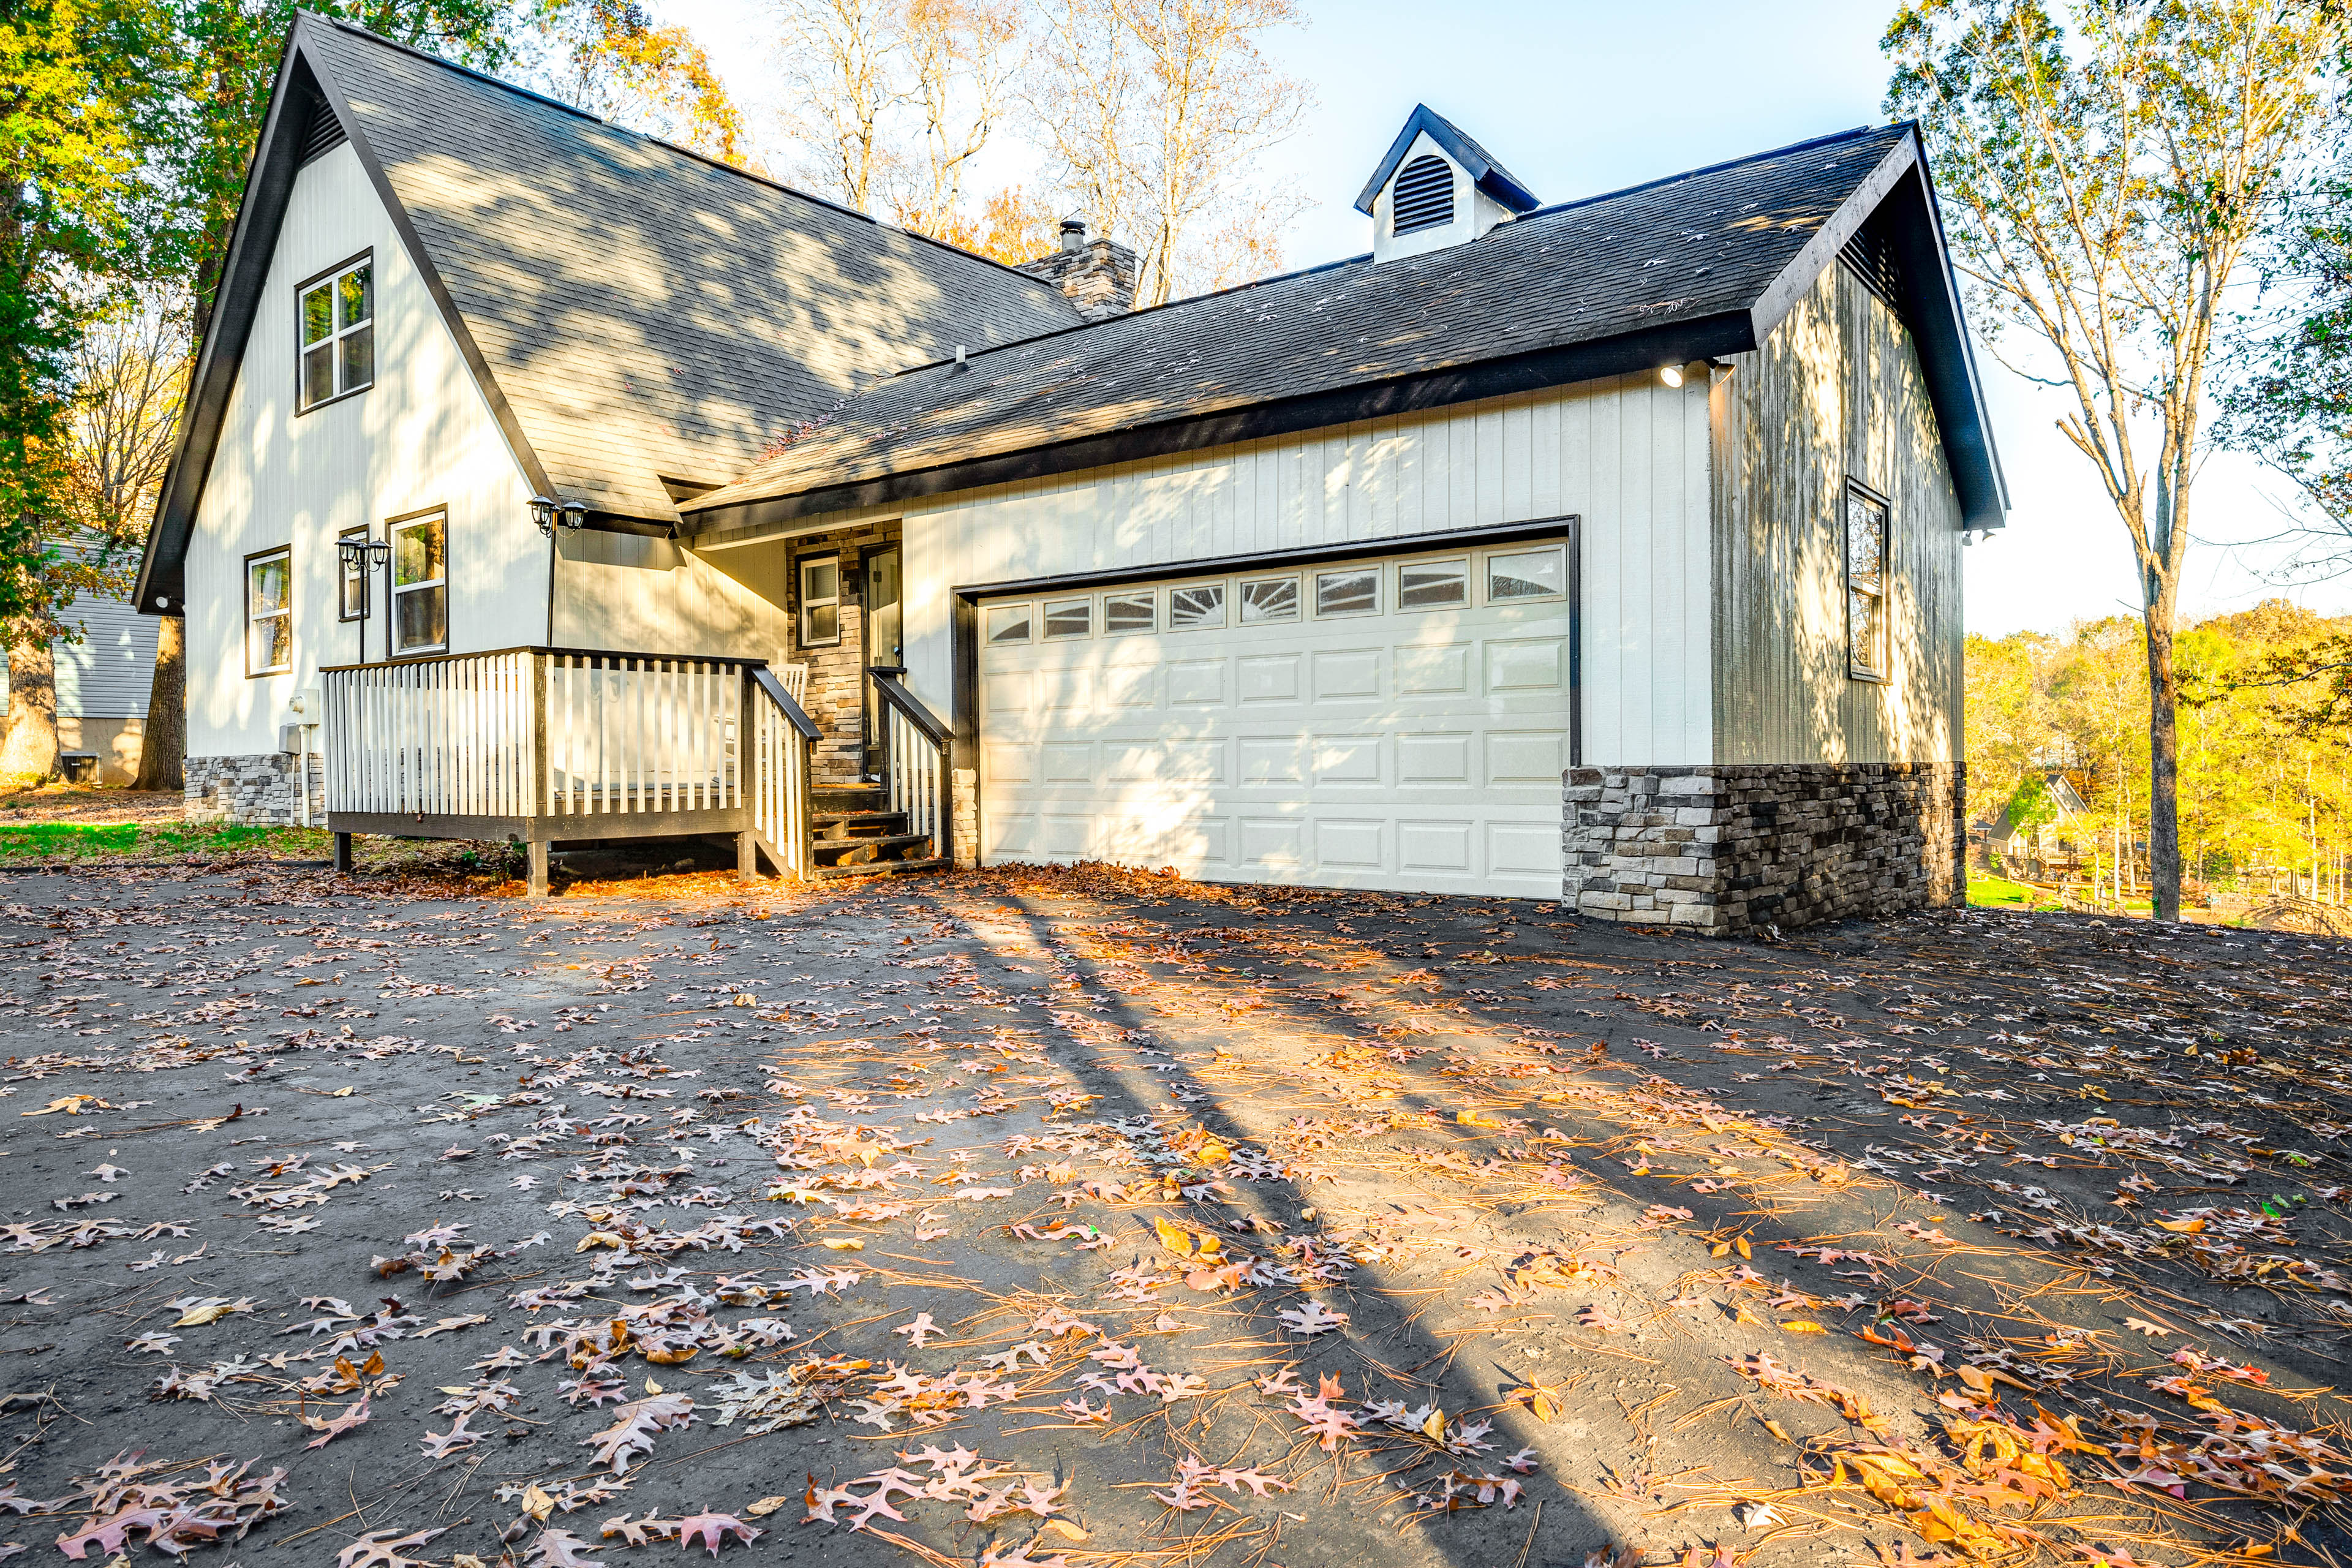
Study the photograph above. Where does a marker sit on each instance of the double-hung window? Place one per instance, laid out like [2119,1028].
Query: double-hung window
[270,611]
[420,584]
[820,601]
[1867,656]
[336,315]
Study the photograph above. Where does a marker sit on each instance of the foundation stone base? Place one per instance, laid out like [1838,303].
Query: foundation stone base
[1725,850]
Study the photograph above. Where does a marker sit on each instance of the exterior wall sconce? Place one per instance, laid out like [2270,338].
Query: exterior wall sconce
[546,512]
[1671,374]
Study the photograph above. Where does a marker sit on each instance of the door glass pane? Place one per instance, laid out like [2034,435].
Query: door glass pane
[423,617]
[1433,585]
[1070,618]
[1008,623]
[317,314]
[1189,609]
[882,615]
[1347,592]
[1128,612]
[1270,599]
[1526,574]
[416,552]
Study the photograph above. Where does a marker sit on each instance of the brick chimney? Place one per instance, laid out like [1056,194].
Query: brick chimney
[1098,275]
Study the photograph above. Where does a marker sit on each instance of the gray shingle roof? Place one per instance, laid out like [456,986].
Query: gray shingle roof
[646,313]
[1695,248]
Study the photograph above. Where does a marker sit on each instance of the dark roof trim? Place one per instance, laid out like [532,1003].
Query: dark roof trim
[500,409]
[1476,537]
[1930,309]
[1674,343]
[236,296]
[243,278]
[1485,172]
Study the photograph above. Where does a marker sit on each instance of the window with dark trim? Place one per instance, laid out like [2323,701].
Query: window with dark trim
[1867,656]
[820,600]
[350,579]
[334,319]
[270,611]
[420,584]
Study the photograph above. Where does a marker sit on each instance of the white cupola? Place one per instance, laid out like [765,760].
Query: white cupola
[1435,188]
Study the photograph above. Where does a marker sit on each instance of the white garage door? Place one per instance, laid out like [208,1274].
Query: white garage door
[1396,722]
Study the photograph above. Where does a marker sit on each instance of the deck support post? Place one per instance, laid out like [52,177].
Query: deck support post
[747,856]
[535,886]
[342,854]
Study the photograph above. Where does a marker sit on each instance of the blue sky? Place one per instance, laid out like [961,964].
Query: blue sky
[1584,97]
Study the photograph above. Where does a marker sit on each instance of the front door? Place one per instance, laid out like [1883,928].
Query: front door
[884,646]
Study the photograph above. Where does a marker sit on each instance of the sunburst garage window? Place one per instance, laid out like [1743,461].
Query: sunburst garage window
[337,316]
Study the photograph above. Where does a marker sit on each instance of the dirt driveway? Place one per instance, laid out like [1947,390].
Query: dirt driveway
[1094,1218]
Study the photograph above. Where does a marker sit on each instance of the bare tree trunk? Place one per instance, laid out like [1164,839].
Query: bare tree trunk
[164,743]
[2163,751]
[30,750]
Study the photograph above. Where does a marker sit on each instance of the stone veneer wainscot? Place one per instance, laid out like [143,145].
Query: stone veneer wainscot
[253,791]
[1725,849]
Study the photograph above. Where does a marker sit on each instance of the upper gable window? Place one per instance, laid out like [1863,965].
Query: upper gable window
[337,316]
[1424,198]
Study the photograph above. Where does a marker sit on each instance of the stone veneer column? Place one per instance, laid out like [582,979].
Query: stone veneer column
[1722,849]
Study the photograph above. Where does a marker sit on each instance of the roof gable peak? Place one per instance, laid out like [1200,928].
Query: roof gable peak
[1485,172]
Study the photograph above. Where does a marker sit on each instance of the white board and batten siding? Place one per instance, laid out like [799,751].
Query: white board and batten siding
[422,437]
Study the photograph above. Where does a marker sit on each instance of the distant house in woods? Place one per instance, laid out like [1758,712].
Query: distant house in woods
[2037,841]
[102,686]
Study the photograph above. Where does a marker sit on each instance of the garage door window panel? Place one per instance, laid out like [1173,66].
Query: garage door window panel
[1125,614]
[1526,576]
[1434,584]
[1070,618]
[1269,599]
[1009,624]
[1355,592]
[1196,608]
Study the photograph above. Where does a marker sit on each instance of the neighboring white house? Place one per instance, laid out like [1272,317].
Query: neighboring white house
[102,682]
[1606,550]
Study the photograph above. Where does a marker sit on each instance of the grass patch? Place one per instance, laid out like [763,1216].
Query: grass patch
[86,841]
[2000,893]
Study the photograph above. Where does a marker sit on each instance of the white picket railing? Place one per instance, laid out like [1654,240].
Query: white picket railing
[914,772]
[534,732]
[782,742]
[629,733]
[444,737]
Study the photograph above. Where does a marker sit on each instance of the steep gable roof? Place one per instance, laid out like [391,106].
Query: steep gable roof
[1701,264]
[634,311]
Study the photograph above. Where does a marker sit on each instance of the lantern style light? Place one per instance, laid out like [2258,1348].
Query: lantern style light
[543,514]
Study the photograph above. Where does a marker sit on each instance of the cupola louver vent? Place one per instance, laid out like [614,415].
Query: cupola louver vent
[1424,198]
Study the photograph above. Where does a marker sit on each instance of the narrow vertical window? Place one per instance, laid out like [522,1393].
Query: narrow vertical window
[270,611]
[1866,629]
[420,584]
[351,576]
[336,317]
[820,601]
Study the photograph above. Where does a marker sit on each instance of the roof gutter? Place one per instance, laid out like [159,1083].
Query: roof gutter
[1727,332]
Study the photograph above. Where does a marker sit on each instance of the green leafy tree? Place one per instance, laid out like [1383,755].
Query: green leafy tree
[2102,186]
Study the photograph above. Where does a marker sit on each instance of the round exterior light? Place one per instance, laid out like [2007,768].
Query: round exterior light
[1671,374]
